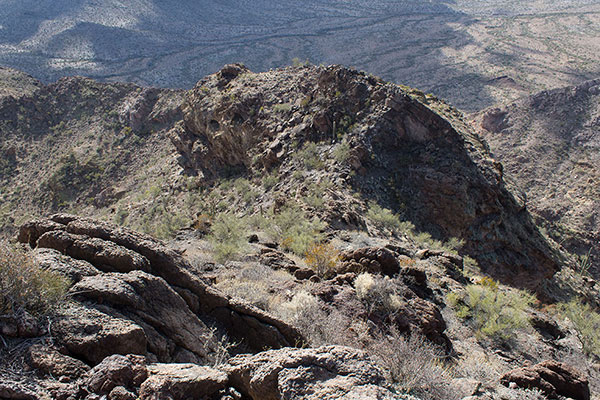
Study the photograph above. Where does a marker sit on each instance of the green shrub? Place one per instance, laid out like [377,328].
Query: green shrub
[25,286]
[587,323]
[342,152]
[310,156]
[494,313]
[294,230]
[228,236]
[282,108]
[270,180]
[384,218]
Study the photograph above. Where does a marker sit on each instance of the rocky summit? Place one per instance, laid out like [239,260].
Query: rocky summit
[312,232]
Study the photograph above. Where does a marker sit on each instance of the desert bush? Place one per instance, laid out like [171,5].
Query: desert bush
[25,286]
[342,152]
[384,218]
[587,323]
[295,231]
[322,258]
[310,156]
[270,180]
[304,311]
[414,365]
[378,293]
[228,236]
[495,313]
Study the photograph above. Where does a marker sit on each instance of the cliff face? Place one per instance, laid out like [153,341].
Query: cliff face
[407,151]
[549,145]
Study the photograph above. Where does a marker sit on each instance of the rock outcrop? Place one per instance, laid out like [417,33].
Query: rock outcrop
[407,152]
[551,377]
[154,305]
[328,372]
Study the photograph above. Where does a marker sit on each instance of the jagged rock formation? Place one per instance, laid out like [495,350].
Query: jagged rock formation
[549,144]
[408,151]
[131,311]
[149,327]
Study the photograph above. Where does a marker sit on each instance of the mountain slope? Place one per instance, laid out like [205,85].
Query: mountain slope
[549,144]
[473,53]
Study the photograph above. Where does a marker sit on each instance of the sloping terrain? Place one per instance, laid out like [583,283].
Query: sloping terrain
[549,144]
[474,53]
[330,235]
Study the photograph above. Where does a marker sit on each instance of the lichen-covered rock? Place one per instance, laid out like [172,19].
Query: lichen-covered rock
[92,335]
[116,370]
[50,361]
[181,381]
[551,377]
[329,372]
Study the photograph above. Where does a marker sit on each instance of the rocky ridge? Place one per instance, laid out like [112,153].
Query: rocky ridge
[548,144]
[372,172]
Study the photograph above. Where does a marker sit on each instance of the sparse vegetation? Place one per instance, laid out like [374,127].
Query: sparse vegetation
[378,293]
[294,230]
[384,218]
[322,258]
[587,323]
[341,152]
[414,366]
[494,312]
[25,287]
[310,156]
[228,236]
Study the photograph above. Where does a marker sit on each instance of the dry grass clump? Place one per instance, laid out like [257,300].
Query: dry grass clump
[24,286]
[378,293]
[253,283]
[306,313]
[414,365]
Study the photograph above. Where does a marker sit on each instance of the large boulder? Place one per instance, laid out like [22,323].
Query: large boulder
[329,372]
[551,377]
[182,381]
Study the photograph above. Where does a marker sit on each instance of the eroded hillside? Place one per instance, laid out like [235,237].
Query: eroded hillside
[550,145]
[330,235]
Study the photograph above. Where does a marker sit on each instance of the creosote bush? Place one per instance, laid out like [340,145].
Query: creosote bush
[495,313]
[587,324]
[228,236]
[24,286]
